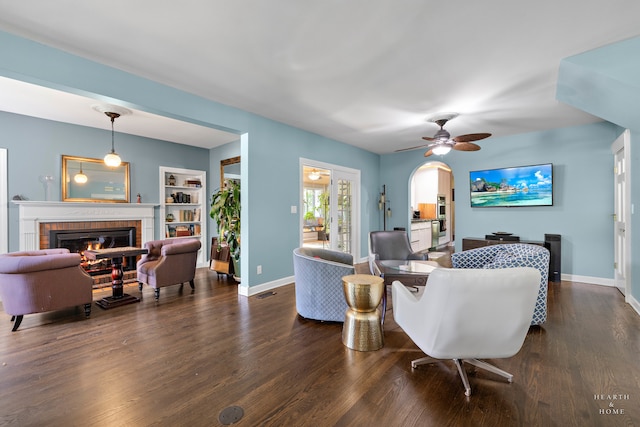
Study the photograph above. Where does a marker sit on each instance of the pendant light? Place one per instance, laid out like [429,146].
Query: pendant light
[314,175]
[112,159]
[80,177]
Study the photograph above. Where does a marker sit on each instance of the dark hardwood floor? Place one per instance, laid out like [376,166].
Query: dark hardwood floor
[182,361]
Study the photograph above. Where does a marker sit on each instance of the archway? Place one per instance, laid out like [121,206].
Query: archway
[432,201]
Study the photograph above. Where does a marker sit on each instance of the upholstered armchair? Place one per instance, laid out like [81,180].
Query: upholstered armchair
[43,280]
[511,255]
[391,245]
[318,283]
[168,262]
[469,314]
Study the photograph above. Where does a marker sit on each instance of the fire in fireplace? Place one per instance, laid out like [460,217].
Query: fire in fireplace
[81,240]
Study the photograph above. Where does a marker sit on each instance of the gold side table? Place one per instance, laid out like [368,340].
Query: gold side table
[362,329]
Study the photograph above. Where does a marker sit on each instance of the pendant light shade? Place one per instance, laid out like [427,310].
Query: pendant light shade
[80,177]
[112,159]
[314,175]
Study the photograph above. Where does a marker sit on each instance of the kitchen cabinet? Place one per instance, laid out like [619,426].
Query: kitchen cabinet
[420,235]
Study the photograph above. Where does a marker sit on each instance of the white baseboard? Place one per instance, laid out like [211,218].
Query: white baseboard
[588,279]
[253,290]
[633,303]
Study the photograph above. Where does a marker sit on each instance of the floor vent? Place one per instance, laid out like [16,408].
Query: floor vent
[265,294]
[231,415]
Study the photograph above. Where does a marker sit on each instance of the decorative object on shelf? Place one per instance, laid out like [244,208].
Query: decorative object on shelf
[382,206]
[112,159]
[180,191]
[47,180]
[225,211]
[170,217]
[80,177]
[138,198]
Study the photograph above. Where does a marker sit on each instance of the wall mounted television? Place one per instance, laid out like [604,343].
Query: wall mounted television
[512,186]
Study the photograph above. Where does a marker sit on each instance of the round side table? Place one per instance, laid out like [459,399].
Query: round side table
[362,329]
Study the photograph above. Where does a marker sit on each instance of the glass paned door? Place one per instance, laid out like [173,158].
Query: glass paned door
[330,206]
[343,224]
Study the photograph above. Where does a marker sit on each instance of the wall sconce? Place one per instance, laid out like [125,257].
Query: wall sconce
[382,206]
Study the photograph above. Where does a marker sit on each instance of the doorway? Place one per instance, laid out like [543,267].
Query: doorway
[330,207]
[431,198]
[622,212]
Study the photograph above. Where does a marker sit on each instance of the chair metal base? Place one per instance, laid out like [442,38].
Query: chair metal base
[463,374]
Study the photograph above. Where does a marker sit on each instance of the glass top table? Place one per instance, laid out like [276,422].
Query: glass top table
[399,267]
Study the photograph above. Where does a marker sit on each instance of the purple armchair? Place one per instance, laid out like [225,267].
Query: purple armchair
[41,281]
[168,262]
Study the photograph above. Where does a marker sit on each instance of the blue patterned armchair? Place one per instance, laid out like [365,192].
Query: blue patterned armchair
[511,255]
[318,283]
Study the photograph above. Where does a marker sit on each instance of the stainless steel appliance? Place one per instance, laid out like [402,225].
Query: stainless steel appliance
[441,211]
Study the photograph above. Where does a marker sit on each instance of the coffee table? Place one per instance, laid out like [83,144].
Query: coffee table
[410,273]
[118,297]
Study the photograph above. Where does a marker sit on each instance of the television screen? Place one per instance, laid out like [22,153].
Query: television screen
[514,186]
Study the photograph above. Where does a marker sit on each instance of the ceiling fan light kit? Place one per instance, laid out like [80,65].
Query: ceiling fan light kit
[441,150]
[314,175]
[441,143]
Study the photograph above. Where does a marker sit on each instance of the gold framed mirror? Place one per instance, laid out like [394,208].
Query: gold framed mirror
[229,169]
[89,180]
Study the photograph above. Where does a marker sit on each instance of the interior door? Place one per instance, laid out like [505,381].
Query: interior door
[340,229]
[621,212]
[343,213]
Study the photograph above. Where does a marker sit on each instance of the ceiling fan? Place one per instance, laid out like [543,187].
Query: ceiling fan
[315,174]
[441,143]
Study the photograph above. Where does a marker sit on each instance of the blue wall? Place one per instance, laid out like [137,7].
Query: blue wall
[583,192]
[270,165]
[270,150]
[606,82]
[35,148]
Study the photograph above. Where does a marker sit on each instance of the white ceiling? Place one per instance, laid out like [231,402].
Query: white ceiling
[365,72]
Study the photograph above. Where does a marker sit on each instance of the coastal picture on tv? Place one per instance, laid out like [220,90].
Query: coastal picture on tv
[513,186]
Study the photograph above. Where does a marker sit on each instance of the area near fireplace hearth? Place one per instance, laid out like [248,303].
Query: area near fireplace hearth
[37,220]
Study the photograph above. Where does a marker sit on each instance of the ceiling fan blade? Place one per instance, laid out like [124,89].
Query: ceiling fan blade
[413,148]
[428,138]
[466,146]
[471,137]
[428,153]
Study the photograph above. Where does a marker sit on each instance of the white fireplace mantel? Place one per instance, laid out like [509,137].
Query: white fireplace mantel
[32,213]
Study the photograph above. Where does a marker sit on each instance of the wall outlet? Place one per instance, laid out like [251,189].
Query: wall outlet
[259,269]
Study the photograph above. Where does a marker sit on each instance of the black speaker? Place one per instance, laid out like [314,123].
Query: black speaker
[552,243]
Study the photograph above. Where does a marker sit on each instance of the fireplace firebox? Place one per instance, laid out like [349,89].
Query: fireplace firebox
[80,240]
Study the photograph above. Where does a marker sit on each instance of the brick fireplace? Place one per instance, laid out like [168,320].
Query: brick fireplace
[82,235]
[38,220]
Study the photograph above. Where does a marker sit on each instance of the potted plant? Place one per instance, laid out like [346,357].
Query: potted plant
[225,211]
[309,218]
[324,206]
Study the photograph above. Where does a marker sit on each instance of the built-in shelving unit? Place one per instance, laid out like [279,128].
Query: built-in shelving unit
[183,196]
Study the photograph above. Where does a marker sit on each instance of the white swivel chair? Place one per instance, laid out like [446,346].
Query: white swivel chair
[469,314]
